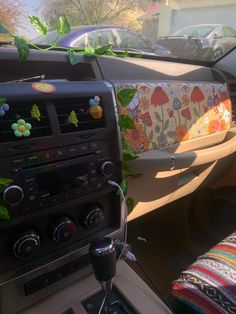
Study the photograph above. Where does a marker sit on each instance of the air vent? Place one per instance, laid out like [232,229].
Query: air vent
[232,86]
[22,110]
[82,109]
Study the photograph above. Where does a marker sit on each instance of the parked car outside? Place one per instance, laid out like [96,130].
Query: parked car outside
[121,38]
[207,42]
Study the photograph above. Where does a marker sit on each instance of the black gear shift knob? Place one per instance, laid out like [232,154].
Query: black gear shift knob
[103,258]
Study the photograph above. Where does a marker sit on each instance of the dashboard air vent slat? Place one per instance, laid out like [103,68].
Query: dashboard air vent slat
[22,110]
[82,109]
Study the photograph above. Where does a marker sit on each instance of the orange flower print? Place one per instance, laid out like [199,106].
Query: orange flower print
[137,139]
[222,125]
[181,133]
[214,126]
[227,104]
[144,103]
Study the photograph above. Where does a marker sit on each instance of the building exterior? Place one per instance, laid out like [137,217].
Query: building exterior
[171,15]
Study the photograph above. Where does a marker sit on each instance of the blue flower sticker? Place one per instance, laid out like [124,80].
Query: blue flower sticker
[3,109]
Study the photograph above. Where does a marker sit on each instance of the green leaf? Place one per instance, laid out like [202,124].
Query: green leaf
[2,101]
[4,29]
[126,123]
[4,183]
[22,47]
[128,157]
[157,116]
[73,57]
[157,128]
[125,168]
[63,27]
[127,148]
[130,204]
[103,50]
[39,25]
[171,134]
[151,135]
[126,95]
[89,51]
[110,52]
[124,186]
[196,112]
[166,125]
[4,213]
[139,55]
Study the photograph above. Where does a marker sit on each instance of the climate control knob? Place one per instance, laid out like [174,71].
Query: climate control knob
[92,216]
[106,168]
[26,244]
[13,195]
[63,229]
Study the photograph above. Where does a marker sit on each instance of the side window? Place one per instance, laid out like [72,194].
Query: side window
[101,38]
[229,32]
[79,42]
[130,40]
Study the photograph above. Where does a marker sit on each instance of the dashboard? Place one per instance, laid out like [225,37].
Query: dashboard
[60,147]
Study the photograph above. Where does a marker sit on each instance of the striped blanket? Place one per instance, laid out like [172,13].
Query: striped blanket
[209,285]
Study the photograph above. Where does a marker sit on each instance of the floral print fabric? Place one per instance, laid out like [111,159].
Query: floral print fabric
[169,113]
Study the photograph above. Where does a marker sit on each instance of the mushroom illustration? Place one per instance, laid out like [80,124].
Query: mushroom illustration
[196,97]
[159,98]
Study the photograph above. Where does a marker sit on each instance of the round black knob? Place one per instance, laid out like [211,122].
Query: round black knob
[106,168]
[63,229]
[26,244]
[92,216]
[13,195]
[102,254]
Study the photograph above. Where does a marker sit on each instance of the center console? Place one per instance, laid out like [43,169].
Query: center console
[58,197]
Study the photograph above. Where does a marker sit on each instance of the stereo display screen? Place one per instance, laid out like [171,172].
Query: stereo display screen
[63,180]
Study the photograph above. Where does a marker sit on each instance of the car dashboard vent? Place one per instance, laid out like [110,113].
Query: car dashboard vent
[232,86]
[76,115]
[40,125]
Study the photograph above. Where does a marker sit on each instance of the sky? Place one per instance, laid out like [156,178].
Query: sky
[29,7]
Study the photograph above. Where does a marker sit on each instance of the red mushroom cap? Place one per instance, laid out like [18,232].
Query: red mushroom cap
[159,97]
[197,95]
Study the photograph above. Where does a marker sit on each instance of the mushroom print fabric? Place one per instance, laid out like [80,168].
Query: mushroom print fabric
[169,113]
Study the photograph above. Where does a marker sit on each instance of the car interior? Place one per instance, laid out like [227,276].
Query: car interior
[69,241]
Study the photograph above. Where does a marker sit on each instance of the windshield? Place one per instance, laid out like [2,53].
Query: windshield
[195,30]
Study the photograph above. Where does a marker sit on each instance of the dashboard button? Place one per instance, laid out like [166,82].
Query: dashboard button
[18,162]
[53,200]
[60,152]
[29,180]
[32,159]
[41,204]
[72,150]
[31,188]
[83,148]
[94,146]
[47,155]
[32,197]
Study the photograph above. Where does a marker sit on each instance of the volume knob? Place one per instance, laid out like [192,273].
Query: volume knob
[13,195]
[106,168]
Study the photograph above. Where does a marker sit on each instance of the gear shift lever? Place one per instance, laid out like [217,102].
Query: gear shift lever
[103,258]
